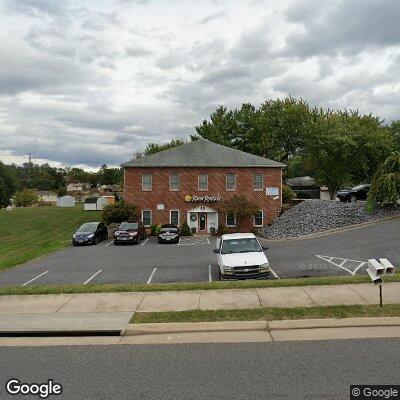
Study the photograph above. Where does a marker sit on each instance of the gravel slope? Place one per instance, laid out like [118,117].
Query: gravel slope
[312,216]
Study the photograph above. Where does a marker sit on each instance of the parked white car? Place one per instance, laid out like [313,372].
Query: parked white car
[241,256]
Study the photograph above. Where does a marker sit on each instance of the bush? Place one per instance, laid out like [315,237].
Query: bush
[62,191]
[385,184]
[287,193]
[154,229]
[25,197]
[119,212]
[185,230]
[222,230]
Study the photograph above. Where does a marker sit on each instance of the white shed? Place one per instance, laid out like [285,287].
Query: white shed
[90,204]
[66,201]
[101,203]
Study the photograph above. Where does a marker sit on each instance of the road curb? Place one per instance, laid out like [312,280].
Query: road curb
[262,325]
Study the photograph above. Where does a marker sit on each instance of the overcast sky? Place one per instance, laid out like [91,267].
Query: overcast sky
[90,82]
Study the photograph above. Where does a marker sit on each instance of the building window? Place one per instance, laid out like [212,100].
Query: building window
[259,218]
[231,182]
[147,181]
[174,217]
[174,182]
[203,182]
[230,220]
[146,217]
[258,182]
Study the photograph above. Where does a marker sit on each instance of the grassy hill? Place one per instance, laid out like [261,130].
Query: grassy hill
[27,233]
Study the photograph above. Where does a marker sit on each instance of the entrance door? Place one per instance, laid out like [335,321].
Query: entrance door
[202,222]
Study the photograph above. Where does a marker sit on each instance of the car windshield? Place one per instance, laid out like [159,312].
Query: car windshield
[246,245]
[129,225]
[89,227]
[163,230]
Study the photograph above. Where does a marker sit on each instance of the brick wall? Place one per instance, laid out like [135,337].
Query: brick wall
[175,200]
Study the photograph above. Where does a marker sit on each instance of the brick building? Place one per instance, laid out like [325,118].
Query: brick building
[191,182]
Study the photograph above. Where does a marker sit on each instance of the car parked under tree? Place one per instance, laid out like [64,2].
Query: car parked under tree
[359,192]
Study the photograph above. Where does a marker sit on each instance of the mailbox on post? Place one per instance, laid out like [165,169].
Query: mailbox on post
[376,270]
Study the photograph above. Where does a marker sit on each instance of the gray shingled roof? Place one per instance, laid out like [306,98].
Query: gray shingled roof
[202,153]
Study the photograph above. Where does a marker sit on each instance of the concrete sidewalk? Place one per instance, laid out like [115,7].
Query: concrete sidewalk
[301,296]
[110,313]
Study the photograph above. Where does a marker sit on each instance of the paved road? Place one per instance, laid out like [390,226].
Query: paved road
[190,260]
[291,370]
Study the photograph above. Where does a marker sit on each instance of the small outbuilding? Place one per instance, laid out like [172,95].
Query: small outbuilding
[101,203]
[90,204]
[66,201]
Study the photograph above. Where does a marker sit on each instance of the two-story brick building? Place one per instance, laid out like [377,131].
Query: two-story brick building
[191,182]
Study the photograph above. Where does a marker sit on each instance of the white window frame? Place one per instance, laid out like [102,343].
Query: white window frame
[226,182]
[170,182]
[151,217]
[198,182]
[151,183]
[254,219]
[226,221]
[170,216]
[254,182]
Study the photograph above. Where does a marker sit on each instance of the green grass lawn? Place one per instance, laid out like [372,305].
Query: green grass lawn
[27,233]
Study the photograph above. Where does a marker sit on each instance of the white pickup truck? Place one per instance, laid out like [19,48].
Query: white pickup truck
[241,256]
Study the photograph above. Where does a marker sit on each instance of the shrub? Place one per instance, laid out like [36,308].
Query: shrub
[222,230]
[154,229]
[62,191]
[25,197]
[119,212]
[185,230]
[385,184]
[287,193]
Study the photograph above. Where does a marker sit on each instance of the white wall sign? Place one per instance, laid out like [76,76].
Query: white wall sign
[160,206]
[272,191]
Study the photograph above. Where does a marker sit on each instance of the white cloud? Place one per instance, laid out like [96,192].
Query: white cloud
[91,84]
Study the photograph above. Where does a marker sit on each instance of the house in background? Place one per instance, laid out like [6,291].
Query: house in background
[45,196]
[78,187]
[66,201]
[305,187]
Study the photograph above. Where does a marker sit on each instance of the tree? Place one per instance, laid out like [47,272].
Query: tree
[110,176]
[7,185]
[25,198]
[152,148]
[62,191]
[385,185]
[240,207]
[119,212]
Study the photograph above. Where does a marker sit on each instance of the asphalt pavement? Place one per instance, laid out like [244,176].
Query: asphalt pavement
[192,260]
[289,370]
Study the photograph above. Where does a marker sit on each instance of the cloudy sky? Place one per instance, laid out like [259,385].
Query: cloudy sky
[90,82]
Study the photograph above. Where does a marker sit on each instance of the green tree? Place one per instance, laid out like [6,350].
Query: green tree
[240,207]
[25,198]
[385,185]
[185,229]
[119,212]
[7,185]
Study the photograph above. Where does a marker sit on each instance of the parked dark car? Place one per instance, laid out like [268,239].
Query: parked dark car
[169,234]
[359,192]
[129,232]
[90,233]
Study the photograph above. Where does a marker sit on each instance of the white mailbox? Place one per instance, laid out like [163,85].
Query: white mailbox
[375,267]
[389,268]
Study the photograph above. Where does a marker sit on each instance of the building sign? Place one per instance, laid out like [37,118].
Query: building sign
[160,206]
[272,191]
[205,199]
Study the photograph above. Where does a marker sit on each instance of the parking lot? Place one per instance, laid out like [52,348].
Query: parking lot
[192,260]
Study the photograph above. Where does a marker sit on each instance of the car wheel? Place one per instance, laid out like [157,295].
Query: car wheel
[352,198]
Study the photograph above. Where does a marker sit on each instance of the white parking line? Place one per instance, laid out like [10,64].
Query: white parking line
[151,276]
[274,273]
[145,241]
[26,283]
[86,282]
[209,274]
[112,241]
[342,263]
